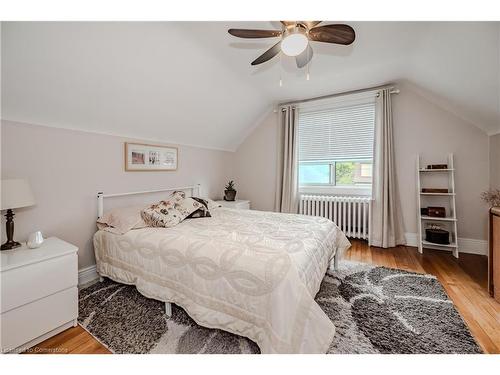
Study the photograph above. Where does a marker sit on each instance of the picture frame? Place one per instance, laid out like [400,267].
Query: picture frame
[143,157]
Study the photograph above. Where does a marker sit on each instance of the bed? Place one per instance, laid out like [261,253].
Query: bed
[251,273]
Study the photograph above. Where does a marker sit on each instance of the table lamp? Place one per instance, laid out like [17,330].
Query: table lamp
[16,193]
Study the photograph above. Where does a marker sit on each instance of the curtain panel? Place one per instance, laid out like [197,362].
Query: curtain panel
[386,224]
[287,185]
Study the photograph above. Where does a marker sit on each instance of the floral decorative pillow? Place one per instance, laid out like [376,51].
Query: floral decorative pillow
[202,211]
[170,212]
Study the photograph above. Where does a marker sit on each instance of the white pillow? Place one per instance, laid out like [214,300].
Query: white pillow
[121,220]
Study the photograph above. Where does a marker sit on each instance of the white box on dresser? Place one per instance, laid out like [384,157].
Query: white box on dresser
[238,204]
[39,293]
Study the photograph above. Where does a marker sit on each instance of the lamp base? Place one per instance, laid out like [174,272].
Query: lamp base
[9,229]
[9,245]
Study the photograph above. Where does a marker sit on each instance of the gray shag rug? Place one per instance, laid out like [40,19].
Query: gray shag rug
[374,309]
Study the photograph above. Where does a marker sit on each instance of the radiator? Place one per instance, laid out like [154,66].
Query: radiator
[351,214]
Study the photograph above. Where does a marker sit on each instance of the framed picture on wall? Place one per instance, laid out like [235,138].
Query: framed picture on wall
[145,157]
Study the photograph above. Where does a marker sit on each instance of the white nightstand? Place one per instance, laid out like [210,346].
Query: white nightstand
[237,204]
[39,293]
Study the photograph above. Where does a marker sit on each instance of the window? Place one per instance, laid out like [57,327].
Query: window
[336,147]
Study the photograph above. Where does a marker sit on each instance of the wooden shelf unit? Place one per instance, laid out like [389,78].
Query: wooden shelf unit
[426,199]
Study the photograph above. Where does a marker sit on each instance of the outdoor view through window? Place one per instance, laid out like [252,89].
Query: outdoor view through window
[338,173]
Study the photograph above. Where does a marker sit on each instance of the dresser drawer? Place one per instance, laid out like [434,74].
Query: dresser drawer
[238,204]
[34,281]
[34,319]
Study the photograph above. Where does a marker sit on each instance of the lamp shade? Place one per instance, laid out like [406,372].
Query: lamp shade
[16,193]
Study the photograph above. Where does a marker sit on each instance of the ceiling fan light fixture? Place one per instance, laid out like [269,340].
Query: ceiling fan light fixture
[295,38]
[294,41]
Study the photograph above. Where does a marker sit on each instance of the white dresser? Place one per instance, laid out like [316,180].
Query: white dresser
[237,204]
[39,293]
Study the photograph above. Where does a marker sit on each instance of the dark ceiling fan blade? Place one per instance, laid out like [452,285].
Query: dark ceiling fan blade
[248,33]
[338,34]
[268,55]
[304,57]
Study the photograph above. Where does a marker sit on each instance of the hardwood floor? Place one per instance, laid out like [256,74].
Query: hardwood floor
[465,281]
[71,341]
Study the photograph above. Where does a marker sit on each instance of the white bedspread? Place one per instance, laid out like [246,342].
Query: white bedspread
[248,272]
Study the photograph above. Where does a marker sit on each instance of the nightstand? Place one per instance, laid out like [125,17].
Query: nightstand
[39,293]
[237,204]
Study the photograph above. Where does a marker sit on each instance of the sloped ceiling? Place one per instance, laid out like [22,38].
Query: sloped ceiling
[192,83]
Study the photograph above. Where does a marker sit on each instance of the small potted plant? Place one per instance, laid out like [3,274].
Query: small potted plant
[230,192]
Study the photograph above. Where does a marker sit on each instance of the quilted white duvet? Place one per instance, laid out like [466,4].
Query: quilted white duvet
[248,272]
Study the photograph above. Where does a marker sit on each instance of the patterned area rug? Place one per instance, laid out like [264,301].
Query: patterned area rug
[374,309]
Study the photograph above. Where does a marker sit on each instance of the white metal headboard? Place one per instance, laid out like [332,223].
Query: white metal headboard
[195,191]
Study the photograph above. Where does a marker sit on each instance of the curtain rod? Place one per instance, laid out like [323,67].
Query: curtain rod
[391,86]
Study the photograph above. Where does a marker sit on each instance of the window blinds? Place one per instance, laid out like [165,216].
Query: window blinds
[338,133]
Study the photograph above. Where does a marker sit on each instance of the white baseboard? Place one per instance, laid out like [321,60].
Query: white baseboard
[465,245]
[88,274]
[472,246]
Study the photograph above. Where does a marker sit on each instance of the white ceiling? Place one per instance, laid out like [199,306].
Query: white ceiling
[192,83]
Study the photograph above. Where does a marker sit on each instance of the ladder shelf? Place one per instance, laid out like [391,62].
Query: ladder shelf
[432,199]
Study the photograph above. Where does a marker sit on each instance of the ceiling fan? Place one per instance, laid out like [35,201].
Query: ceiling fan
[296,37]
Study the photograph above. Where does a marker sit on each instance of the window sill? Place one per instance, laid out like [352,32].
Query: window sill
[336,190]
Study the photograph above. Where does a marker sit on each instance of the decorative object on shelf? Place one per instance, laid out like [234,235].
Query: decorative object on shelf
[437,205]
[230,192]
[436,211]
[16,193]
[35,240]
[492,197]
[435,190]
[436,234]
[147,158]
[437,166]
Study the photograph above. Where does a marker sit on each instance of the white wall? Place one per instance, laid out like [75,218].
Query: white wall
[66,168]
[425,128]
[495,161]
[420,127]
[256,165]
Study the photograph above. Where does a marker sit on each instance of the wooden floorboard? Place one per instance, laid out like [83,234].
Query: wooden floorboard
[464,280]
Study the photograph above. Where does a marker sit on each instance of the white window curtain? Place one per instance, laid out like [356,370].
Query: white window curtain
[287,197]
[386,225]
